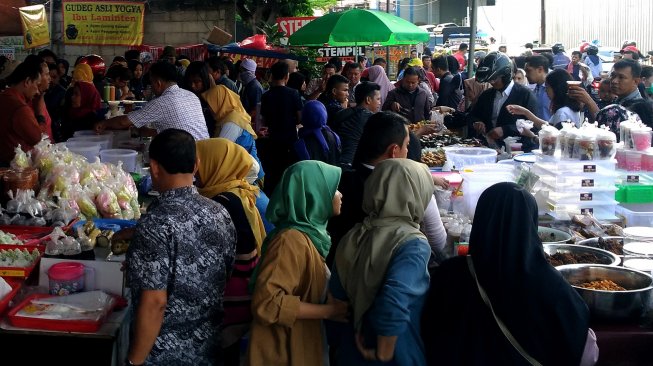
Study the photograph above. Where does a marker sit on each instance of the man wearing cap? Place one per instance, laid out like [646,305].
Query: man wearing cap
[630,52]
[251,92]
[460,56]
[169,55]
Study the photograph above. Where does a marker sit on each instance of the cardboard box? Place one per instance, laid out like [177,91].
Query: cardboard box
[219,37]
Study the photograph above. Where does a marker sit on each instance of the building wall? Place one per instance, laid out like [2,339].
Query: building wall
[176,28]
[511,22]
[452,11]
[609,21]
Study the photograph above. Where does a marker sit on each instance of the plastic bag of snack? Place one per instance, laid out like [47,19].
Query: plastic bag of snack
[107,204]
[22,160]
[85,202]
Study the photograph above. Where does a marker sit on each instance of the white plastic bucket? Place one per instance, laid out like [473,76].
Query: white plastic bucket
[113,156]
[105,141]
[87,149]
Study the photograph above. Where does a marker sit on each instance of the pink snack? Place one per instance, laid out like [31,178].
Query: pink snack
[641,139]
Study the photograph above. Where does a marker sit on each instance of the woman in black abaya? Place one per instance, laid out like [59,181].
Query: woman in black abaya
[546,317]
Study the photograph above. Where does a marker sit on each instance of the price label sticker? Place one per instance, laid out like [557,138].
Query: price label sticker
[589,168]
[586,211]
[585,196]
[12,273]
[587,183]
[632,179]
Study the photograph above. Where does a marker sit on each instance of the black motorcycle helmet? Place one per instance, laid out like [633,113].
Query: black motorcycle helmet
[557,48]
[494,65]
[592,50]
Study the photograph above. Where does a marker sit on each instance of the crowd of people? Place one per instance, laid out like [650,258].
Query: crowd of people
[298,219]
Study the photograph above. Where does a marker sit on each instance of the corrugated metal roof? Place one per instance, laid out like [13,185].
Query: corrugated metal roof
[611,22]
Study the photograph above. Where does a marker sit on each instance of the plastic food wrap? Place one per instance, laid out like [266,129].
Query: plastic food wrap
[22,160]
[107,204]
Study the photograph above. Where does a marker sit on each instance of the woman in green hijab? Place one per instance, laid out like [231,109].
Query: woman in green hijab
[381,268]
[290,282]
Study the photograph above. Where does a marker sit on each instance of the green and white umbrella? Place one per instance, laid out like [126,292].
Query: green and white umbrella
[358,27]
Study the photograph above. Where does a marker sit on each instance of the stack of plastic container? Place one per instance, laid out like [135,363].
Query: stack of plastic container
[576,170]
[635,175]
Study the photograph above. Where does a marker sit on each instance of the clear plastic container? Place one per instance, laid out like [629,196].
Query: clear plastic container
[606,142]
[87,149]
[570,145]
[602,210]
[636,214]
[464,156]
[647,161]
[585,148]
[576,175]
[588,195]
[113,156]
[633,160]
[620,155]
[476,182]
[548,140]
[641,138]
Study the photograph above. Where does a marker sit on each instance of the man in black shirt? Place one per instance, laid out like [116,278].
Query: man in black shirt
[281,109]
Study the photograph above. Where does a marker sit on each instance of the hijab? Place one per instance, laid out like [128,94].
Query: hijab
[314,120]
[90,103]
[395,197]
[83,72]
[224,167]
[542,311]
[226,107]
[377,75]
[303,201]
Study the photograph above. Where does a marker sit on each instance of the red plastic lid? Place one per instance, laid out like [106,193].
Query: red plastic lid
[66,271]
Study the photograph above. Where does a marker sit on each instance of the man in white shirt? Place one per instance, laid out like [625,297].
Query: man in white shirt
[172,108]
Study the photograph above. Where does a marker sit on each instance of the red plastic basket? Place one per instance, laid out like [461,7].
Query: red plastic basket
[29,234]
[15,287]
[81,326]
[20,271]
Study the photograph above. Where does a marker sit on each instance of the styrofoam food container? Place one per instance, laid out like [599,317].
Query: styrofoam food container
[113,156]
[640,264]
[638,248]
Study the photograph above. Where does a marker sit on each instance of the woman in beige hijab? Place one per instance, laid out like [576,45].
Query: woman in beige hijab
[381,268]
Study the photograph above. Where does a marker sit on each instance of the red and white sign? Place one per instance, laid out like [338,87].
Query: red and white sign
[290,25]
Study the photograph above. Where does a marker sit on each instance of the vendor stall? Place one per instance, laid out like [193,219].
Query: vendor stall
[61,282]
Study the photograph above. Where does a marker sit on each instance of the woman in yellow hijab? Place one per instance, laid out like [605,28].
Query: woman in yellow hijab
[231,120]
[83,72]
[223,170]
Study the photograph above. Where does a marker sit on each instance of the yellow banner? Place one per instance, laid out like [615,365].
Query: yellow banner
[36,32]
[117,23]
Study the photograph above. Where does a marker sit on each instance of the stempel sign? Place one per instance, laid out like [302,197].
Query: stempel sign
[290,25]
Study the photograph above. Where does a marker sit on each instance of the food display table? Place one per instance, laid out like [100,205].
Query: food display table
[625,343]
[108,346]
